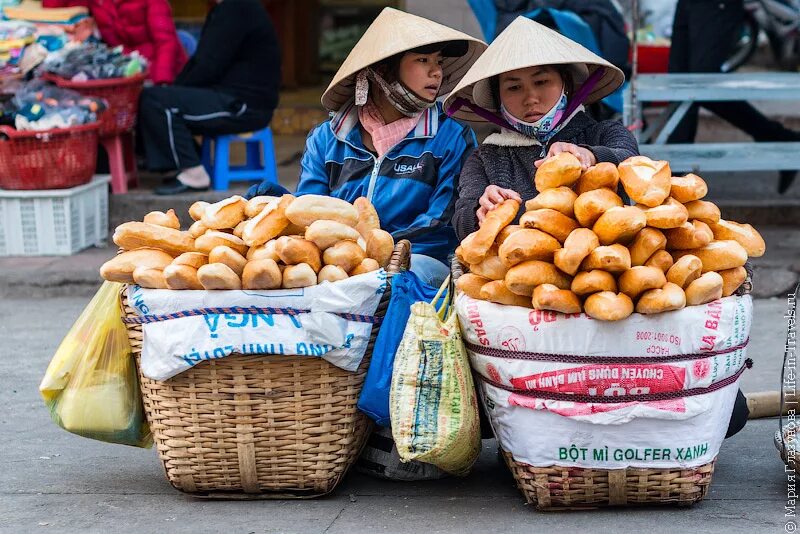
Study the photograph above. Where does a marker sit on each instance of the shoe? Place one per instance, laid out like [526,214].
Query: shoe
[173,186]
[785,180]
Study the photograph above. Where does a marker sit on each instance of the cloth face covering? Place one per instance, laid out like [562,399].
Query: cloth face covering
[401,97]
[384,136]
[545,128]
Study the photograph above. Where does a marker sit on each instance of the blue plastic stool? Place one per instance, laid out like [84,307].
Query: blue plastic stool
[260,163]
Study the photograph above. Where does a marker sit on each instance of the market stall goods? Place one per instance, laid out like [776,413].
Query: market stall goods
[263,243]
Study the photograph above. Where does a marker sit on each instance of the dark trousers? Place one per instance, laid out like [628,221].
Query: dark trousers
[170,116]
[704,33]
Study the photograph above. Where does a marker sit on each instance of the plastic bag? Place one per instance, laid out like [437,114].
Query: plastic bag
[90,386]
[434,409]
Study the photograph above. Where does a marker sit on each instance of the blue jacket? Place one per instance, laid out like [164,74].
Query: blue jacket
[412,186]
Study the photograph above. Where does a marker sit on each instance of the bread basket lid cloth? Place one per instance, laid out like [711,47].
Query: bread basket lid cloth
[393,32]
[525,43]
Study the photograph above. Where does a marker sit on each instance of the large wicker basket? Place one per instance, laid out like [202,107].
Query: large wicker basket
[577,488]
[259,426]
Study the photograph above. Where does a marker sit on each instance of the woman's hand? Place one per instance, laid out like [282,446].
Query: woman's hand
[585,156]
[492,196]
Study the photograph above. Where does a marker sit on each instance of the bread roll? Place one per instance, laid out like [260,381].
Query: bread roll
[744,234]
[265,251]
[470,284]
[732,279]
[523,277]
[661,259]
[120,268]
[192,259]
[718,255]
[705,289]
[469,254]
[256,204]
[497,219]
[239,230]
[309,208]
[218,276]
[300,275]
[225,213]
[331,273]
[197,210]
[560,199]
[293,230]
[619,224]
[639,279]
[327,233]
[691,234]
[380,245]
[197,229]
[506,232]
[133,235]
[228,256]
[180,276]
[261,274]
[588,282]
[367,265]
[685,271]
[670,214]
[603,174]
[608,306]
[149,277]
[492,267]
[497,292]
[550,221]
[645,244]
[589,206]
[368,219]
[527,244]
[346,254]
[687,188]
[579,244]
[549,297]
[611,258]
[168,219]
[646,181]
[703,210]
[294,250]
[668,298]
[558,170]
[214,238]
[269,223]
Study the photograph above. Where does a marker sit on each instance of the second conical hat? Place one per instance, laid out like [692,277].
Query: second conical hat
[525,43]
[391,33]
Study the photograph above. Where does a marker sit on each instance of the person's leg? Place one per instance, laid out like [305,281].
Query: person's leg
[739,416]
[429,270]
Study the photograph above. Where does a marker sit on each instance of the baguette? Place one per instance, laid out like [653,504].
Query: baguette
[646,181]
[168,219]
[561,169]
[269,223]
[218,276]
[470,284]
[261,274]
[133,235]
[608,306]
[603,174]
[181,276]
[561,199]
[225,213]
[120,268]
[309,208]
[550,297]
[497,292]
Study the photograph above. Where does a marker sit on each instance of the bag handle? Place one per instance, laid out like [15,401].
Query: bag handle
[443,310]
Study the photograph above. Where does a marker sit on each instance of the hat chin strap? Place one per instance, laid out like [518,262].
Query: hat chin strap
[400,97]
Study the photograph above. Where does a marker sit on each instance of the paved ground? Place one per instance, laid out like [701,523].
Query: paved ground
[53,481]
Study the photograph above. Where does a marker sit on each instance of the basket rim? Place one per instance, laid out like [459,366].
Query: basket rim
[35,134]
[103,83]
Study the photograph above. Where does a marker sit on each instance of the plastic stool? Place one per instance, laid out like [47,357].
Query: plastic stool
[260,163]
[121,161]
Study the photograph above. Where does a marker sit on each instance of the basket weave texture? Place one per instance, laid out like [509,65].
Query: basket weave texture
[259,426]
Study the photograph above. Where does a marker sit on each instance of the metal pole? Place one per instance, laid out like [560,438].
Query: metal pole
[630,115]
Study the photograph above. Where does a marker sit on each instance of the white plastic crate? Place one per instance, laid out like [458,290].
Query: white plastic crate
[54,222]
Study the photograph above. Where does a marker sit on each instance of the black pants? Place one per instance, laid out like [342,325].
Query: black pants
[169,117]
[704,33]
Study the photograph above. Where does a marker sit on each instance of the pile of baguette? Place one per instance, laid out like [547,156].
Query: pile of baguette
[263,243]
[578,248]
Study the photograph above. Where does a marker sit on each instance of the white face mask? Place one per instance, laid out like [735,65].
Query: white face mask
[544,128]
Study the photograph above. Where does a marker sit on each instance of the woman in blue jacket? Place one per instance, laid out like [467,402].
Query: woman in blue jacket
[389,140]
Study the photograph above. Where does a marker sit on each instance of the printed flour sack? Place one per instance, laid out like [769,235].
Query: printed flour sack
[674,373]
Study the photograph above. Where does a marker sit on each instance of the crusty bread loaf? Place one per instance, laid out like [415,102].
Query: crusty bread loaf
[639,279]
[579,244]
[589,206]
[705,289]
[492,267]
[703,210]
[149,277]
[608,306]
[561,169]
[496,291]
[471,284]
[181,276]
[744,234]
[269,223]
[670,214]
[685,271]
[133,235]
[346,254]
[646,181]
[380,245]
[717,255]
[261,274]
[645,244]
[687,188]
[197,229]
[239,230]
[218,276]
[368,219]
[523,277]
[367,265]
[193,259]
[619,224]
[120,268]
[168,219]
[549,221]
[661,259]
[300,275]
[559,198]
[294,250]
[603,174]
[256,204]
[197,210]
[265,251]
[225,213]
[588,282]
[215,238]
[309,208]
[668,298]
[612,258]
[550,297]
[732,279]
[331,273]
[691,234]
[228,256]
[506,232]
[527,244]
[327,233]
[497,219]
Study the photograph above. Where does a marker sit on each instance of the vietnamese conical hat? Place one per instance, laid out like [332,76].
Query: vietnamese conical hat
[393,32]
[525,43]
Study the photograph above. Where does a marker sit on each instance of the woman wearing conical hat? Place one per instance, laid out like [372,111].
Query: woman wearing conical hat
[532,82]
[389,140]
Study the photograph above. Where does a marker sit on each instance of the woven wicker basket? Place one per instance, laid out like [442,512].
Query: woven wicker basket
[577,488]
[259,426]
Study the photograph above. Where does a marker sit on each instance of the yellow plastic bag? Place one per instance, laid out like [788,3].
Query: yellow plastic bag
[433,407]
[90,386]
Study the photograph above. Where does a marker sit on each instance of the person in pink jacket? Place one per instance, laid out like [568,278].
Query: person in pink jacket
[142,25]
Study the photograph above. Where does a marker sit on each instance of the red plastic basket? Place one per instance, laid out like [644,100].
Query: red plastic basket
[49,159]
[122,95]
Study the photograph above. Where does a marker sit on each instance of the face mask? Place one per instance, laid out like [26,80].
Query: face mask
[401,97]
[543,129]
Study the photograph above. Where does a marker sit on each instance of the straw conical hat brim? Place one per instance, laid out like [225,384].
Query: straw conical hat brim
[525,43]
[393,32]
